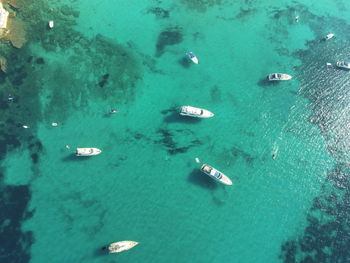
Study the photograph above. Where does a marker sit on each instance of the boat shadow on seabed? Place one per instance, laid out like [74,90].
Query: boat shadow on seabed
[176,117]
[184,62]
[198,178]
[73,158]
[264,82]
[101,251]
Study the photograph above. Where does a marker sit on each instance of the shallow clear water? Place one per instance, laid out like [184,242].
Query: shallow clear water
[145,186]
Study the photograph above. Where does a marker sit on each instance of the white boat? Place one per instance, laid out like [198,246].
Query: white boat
[51,24]
[215,174]
[343,64]
[87,151]
[278,76]
[121,246]
[329,36]
[195,112]
[193,57]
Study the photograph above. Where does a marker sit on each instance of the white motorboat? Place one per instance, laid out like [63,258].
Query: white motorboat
[87,151]
[215,174]
[278,76]
[343,64]
[121,246]
[193,57]
[195,112]
[51,24]
[329,36]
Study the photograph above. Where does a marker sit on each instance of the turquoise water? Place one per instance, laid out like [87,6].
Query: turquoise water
[145,186]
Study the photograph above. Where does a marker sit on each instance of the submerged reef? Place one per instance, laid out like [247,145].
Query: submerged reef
[170,36]
[103,69]
[15,244]
[326,237]
[201,5]
[174,147]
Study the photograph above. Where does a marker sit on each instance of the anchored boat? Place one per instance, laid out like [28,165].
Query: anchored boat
[215,174]
[329,36]
[343,64]
[195,112]
[87,151]
[278,76]
[120,246]
[51,24]
[193,57]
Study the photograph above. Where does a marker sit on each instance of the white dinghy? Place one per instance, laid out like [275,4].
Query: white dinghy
[51,24]
[329,36]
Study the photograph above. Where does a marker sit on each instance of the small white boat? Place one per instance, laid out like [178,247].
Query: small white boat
[120,246]
[278,76]
[329,36]
[343,64]
[87,151]
[195,112]
[215,174]
[51,24]
[193,57]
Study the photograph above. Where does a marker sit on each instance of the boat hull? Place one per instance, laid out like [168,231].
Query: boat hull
[87,151]
[211,172]
[121,246]
[195,60]
[279,77]
[195,112]
[193,57]
[340,64]
[329,36]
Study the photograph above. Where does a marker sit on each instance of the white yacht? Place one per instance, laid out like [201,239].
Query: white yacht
[193,57]
[278,76]
[329,36]
[87,151]
[215,174]
[121,246]
[195,112]
[343,64]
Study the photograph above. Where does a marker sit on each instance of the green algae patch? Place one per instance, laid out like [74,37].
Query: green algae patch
[168,37]
[201,5]
[96,69]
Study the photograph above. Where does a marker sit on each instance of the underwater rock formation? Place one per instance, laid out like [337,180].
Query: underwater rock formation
[16,33]
[171,36]
[3,64]
[3,17]
[11,27]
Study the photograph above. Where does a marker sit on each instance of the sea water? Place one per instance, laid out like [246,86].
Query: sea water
[146,186]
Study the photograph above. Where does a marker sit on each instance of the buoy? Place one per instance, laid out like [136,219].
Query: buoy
[51,24]
[197,160]
[54,124]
